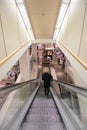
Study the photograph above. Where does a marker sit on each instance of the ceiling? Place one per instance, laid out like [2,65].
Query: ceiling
[43,15]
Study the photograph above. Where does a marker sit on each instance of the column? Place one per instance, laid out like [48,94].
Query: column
[24,66]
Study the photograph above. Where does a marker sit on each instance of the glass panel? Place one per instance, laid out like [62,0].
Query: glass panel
[12,103]
[76,102]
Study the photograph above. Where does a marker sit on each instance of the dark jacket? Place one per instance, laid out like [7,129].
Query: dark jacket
[47,77]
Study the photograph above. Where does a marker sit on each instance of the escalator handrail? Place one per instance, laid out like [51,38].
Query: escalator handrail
[13,87]
[70,119]
[72,87]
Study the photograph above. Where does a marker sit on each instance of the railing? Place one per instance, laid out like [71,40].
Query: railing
[72,104]
[15,101]
[77,89]
[70,99]
[10,88]
[12,54]
[76,57]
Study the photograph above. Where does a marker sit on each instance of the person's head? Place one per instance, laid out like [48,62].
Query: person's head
[45,70]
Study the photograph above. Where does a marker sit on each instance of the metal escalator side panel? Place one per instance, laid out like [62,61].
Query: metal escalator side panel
[70,119]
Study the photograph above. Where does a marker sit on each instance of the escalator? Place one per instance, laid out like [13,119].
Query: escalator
[43,114]
[27,107]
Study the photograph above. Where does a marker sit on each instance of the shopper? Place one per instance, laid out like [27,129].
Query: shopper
[15,76]
[47,78]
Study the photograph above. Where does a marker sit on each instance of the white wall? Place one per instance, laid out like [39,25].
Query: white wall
[73,31]
[73,36]
[12,29]
[75,21]
[64,30]
[9,25]
[24,66]
[8,65]
[13,35]
[2,47]
[83,46]
[23,35]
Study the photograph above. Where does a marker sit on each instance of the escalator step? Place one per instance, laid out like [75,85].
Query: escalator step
[42,110]
[42,126]
[43,114]
[42,118]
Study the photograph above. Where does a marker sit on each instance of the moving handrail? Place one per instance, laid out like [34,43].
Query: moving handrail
[70,119]
[72,87]
[72,104]
[17,103]
[13,87]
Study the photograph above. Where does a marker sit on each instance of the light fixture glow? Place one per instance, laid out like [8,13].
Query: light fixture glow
[25,18]
[60,18]
[19,1]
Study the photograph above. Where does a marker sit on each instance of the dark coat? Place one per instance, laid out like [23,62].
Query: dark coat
[47,77]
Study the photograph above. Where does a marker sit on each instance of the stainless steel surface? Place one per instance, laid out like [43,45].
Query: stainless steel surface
[43,114]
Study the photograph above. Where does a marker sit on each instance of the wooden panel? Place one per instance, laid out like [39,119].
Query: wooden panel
[23,35]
